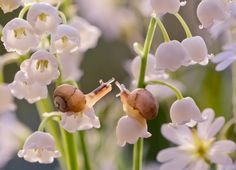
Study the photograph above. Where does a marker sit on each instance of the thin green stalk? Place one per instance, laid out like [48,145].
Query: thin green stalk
[82,139]
[46,119]
[234,91]
[173,88]
[23,11]
[163,30]
[138,146]
[184,25]
[1,76]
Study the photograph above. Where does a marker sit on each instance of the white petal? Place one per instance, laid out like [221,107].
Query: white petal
[199,164]
[215,127]
[224,64]
[222,56]
[9,5]
[162,7]
[169,154]
[224,146]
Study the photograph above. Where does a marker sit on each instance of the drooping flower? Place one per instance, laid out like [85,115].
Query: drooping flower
[185,111]
[89,34]
[39,147]
[17,35]
[9,5]
[77,108]
[43,17]
[23,87]
[196,147]
[66,39]
[41,68]
[171,55]
[6,100]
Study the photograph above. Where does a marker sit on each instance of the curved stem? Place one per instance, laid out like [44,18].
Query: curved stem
[173,88]
[226,127]
[23,11]
[63,17]
[184,25]
[163,30]
[46,119]
[138,146]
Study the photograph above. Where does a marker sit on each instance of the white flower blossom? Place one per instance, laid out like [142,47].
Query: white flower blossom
[6,100]
[211,11]
[52,2]
[196,147]
[42,68]
[162,7]
[17,35]
[23,87]
[171,55]
[66,39]
[129,130]
[80,121]
[39,147]
[225,58]
[9,5]
[184,111]
[89,34]
[196,50]
[43,17]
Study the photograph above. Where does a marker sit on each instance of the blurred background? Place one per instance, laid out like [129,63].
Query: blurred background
[123,22]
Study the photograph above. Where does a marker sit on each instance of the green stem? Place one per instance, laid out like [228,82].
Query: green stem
[138,146]
[184,25]
[173,88]
[1,75]
[46,119]
[82,138]
[23,11]
[63,17]
[70,150]
[234,92]
[163,30]
[227,126]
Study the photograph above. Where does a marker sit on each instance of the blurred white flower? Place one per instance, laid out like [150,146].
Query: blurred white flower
[80,121]
[225,58]
[162,7]
[39,147]
[227,167]
[211,11]
[89,34]
[6,99]
[129,130]
[196,147]
[66,39]
[12,134]
[43,17]
[17,35]
[185,111]
[23,87]
[70,66]
[9,5]
[41,68]
[53,2]
[196,49]
[171,55]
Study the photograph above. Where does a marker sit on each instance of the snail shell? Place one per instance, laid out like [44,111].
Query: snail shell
[143,101]
[67,98]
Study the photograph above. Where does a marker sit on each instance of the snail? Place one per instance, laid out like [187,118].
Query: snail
[70,99]
[139,103]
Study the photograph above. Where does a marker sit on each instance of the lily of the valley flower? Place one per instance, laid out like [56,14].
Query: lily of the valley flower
[39,147]
[43,17]
[17,35]
[66,39]
[23,87]
[9,5]
[196,147]
[6,100]
[89,34]
[41,68]
[185,111]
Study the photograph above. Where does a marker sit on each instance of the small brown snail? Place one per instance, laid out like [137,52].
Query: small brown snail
[139,102]
[68,98]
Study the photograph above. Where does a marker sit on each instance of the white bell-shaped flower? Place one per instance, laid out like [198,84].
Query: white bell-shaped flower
[39,147]
[66,39]
[196,50]
[17,35]
[9,5]
[129,130]
[43,17]
[80,121]
[70,66]
[185,111]
[211,11]
[41,68]
[6,100]
[171,55]
[89,34]
[162,7]
[23,87]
